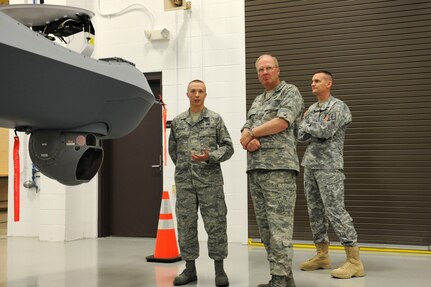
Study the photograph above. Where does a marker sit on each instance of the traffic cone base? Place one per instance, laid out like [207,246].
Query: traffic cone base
[166,249]
[151,258]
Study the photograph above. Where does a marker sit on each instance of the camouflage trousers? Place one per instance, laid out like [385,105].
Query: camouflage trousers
[274,196]
[211,203]
[324,192]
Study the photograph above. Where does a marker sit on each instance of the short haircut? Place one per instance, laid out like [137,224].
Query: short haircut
[326,73]
[196,81]
[266,55]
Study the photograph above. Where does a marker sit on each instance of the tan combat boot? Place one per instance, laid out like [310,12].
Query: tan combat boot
[352,267]
[319,261]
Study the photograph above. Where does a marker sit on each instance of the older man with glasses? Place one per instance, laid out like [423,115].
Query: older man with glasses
[269,136]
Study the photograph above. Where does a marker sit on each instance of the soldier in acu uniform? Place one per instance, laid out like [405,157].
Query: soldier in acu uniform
[324,127]
[198,143]
[269,136]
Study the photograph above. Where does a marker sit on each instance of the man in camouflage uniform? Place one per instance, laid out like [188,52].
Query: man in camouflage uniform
[324,127]
[269,136]
[198,143]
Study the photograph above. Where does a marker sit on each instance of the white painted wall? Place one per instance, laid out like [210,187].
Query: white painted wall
[205,43]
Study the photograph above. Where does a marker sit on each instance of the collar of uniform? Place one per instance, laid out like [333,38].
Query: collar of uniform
[276,89]
[280,86]
[188,118]
[325,106]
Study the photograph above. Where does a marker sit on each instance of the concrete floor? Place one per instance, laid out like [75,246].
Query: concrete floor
[121,262]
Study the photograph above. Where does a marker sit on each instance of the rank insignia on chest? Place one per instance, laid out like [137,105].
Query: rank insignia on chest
[329,117]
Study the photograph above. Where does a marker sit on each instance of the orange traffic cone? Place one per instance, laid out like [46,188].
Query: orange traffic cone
[166,249]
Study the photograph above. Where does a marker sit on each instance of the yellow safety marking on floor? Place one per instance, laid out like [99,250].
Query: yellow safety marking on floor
[335,247]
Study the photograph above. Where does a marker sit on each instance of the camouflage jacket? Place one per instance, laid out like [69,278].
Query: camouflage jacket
[186,138]
[324,129]
[277,151]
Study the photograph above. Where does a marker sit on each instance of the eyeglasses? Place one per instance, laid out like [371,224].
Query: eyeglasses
[268,69]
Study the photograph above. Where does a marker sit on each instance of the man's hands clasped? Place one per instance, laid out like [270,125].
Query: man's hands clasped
[248,141]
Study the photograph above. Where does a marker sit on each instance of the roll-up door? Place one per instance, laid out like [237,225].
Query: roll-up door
[380,55]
